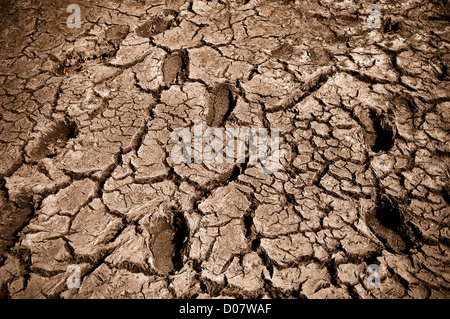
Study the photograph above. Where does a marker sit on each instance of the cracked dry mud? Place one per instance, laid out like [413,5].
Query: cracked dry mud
[86,176]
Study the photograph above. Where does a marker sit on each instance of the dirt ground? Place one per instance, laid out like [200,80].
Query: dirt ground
[87,179]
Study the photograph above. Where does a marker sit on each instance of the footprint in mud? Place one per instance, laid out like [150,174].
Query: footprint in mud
[388,223]
[221,105]
[55,137]
[283,51]
[385,133]
[156,24]
[167,232]
[172,68]
[12,217]
[115,34]
[161,244]
[99,48]
[380,132]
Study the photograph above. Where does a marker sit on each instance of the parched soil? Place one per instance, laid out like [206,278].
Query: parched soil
[87,179]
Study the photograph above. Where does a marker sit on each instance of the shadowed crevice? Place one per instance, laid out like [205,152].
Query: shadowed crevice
[248,223]
[445,194]
[180,239]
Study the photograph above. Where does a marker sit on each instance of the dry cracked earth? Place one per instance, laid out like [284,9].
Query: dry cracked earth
[86,176]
